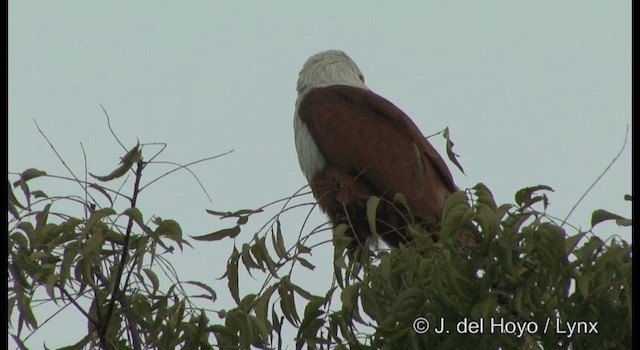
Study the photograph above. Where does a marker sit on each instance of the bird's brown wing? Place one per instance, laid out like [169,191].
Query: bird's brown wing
[362,135]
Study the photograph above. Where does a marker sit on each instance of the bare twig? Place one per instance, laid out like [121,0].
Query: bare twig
[434,134]
[74,303]
[52,315]
[164,146]
[84,183]
[624,144]
[57,154]
[111,129]
[81,183]
[186,166]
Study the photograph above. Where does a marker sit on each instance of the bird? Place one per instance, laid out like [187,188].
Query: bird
[354,144]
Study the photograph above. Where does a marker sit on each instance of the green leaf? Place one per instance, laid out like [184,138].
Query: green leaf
[278,242]
[79,345]
[572,241]
[302,249]
[601,215]
[582,283]
[13,202]
[155,283]
[20,241]
[232,232]
[247,261]
[116,238]
[41,218]
[262,303]
[19,274]
[450,153]
[232,275]
[524,197]
[212,294]
[456,214]
[223,214]
[485,196]
[39,194]
[305,263]
[171,229]
[242,220]
[340,243]
[50,282]
[25,190]
[287,303]
[94,243]
[29,231]
[372,210]
[503,210]
[276,321]
[24,177]
[261,253]
[236,214]
[70,253]
[11,302]
[203,322]
[246,212]
[301,291]
[247,302]
[26,314]
[29,174]
[177,316]
[486,212]
[624,222]
[101,190]
[134,155]
[442,292]
[400,198]
[260,325]
[311,321]
[95,217]
[419,168]
[135,215]
[349,296]
[225,337]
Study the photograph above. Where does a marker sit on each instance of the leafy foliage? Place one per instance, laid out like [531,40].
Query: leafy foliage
[509,265]
[529,283]
[104,264]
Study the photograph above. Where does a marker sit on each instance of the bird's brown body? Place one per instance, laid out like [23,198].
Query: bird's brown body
[368,147]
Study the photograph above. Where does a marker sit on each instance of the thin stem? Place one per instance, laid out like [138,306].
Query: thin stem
[111,129]
[599,177]
[123,259]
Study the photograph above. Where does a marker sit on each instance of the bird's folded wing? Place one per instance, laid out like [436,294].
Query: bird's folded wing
[365,135]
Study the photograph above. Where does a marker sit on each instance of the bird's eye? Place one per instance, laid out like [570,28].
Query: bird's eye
[361,77]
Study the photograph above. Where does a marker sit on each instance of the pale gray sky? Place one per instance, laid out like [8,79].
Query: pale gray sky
[534,92]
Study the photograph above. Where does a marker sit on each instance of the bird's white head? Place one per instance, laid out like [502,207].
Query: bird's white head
[328,68]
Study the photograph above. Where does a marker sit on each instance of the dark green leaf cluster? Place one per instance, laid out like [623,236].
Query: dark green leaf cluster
[498,277]
[523,270]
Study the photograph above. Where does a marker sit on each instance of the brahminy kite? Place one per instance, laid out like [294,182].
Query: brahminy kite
[353,144]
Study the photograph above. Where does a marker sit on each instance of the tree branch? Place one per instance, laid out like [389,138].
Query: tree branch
[123,260]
